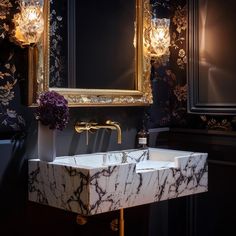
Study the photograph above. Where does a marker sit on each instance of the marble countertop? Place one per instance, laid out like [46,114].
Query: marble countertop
[95,183]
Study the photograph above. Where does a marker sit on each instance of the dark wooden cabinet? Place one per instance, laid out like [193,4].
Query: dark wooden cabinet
[40,220]
[211,213]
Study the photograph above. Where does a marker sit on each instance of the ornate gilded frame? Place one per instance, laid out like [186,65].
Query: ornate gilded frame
[141,96]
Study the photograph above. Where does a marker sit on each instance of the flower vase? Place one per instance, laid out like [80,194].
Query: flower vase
[46,143]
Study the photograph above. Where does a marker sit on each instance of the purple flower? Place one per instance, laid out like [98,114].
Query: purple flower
[53,110]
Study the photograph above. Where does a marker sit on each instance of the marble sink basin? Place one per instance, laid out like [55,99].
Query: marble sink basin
[100,182]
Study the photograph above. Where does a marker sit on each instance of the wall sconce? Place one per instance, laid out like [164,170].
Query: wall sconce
[160,37]
[29,23]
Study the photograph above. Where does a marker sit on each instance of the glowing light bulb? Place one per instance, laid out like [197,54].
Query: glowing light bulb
[29,23]
[31,13]
[159,37]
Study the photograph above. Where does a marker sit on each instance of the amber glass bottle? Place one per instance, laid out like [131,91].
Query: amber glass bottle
[142,138]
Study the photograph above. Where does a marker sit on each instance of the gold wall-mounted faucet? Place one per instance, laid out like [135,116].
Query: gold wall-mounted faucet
[91,127]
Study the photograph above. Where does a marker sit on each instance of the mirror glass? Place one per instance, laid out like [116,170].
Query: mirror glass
[93,54]
[104,48]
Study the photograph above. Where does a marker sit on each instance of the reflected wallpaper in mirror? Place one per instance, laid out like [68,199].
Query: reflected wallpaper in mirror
[97,55]
[58,44]
[100,51]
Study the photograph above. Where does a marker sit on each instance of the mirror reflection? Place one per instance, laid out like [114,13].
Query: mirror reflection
[93,52]
[100,45]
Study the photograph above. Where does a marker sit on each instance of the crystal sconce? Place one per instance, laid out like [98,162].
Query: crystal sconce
[160,37]
[156,35]
[29,23]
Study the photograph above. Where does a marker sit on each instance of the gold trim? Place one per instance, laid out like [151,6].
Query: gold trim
[46,45]
[142,96]
[38,61]
[97,91]
[31,74]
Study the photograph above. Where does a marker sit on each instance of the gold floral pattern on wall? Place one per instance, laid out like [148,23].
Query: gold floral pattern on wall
[180,19]
[11,116]
[170,90]
[169,81]
[10,119]
[180,92]
[179,22]
[217,124]
[5,11]
[5,6]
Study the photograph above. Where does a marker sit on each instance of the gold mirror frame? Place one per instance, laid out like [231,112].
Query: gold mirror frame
[39,65]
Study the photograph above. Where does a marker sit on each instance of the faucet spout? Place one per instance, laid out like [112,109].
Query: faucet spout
[117,126]
[91,127]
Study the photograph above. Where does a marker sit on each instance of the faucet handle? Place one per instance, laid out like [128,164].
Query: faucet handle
[81,126]
[81,123]
[92,123]
[85,124]
[110,122]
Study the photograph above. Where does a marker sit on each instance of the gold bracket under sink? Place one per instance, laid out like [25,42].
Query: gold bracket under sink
[115,224]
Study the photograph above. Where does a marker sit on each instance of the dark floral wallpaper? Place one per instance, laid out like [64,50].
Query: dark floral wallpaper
[168,81]
[11,73]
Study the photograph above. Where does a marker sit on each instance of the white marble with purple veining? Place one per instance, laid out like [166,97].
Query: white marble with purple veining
[101,182]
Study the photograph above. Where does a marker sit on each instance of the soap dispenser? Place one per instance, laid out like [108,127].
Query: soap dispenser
[143,137]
